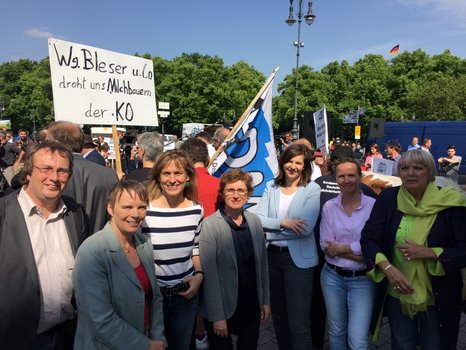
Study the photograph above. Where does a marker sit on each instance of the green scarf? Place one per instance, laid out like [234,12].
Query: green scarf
[433,201]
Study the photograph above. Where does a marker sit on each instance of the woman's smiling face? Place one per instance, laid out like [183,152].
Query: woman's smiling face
[294,167]
[173,180]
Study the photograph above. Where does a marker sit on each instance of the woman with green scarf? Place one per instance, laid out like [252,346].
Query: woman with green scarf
[414,244]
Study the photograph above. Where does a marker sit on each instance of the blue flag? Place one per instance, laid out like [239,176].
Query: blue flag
[252,148]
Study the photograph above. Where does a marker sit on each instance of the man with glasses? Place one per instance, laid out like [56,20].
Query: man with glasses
[91,183]
[40,232]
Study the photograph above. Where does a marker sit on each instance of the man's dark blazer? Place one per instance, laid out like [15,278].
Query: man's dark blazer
[20,293]
[96,157]
[90,186]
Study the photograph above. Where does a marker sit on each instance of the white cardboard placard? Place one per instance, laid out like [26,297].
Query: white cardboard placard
[100,87]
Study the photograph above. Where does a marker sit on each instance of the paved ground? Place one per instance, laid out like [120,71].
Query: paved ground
[267,339]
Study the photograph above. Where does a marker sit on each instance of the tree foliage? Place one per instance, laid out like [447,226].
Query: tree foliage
[412,85]
[201,88]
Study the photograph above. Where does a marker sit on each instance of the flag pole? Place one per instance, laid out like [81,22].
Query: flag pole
[244,115]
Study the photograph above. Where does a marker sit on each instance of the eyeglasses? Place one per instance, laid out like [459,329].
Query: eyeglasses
[48,171]
[232,191]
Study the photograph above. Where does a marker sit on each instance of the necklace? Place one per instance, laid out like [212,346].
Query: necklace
[126,247]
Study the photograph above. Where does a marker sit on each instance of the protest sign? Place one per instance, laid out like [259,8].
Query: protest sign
[382,166]
[6,124]
[321,130]
[99,87]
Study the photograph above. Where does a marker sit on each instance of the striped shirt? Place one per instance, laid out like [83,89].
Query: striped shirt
[174,233]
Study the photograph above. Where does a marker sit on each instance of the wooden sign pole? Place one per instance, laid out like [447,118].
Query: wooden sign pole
[116,146]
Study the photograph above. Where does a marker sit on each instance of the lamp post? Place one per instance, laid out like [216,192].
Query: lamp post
[2,108]
[309,19]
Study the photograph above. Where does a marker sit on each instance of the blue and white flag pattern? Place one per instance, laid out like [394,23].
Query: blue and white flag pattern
[252,147]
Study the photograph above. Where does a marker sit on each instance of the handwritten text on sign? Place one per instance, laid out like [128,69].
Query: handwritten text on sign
[100,87]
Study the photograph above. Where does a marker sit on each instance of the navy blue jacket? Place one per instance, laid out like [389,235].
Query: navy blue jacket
[447,232]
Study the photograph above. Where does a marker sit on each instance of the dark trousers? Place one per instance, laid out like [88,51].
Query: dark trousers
[179,317]
[407,333]
[290,299]
[59,337]
[246,327]
[319,311]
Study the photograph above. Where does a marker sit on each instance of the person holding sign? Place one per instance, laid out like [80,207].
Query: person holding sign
[414,244]
[172,223]
[374,153]
[119,302]
[393,151]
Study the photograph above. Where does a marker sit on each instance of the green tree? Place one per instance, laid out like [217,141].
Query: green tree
[313,92]
[201,89]
[28,92]
[442,99]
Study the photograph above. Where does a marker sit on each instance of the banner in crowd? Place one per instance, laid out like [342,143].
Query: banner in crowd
[250,145]
[382,166]
[321,129]
[99,87]
[5,123]
[191,129]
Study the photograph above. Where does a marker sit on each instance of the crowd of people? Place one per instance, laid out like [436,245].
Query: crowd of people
[448,166]
[166,256]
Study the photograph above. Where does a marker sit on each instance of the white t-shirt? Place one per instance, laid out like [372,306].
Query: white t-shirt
[285,201]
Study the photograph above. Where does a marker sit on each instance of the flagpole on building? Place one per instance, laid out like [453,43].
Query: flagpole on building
[244,115]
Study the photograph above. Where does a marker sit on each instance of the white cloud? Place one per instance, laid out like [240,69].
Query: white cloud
[38,33]
[454,8]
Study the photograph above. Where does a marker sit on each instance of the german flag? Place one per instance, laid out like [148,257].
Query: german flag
[394,50]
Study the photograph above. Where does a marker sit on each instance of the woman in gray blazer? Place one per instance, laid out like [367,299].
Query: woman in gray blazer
[234,260]
[119,303]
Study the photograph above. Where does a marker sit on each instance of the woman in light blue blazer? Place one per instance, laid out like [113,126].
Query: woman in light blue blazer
[119,303]
[288,212]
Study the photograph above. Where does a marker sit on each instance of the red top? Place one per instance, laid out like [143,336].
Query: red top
[145,284]
[207,189]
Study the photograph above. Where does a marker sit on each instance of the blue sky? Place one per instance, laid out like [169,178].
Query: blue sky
[249,30]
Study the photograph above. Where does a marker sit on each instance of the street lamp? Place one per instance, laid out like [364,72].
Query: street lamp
[2,108]
[309,19]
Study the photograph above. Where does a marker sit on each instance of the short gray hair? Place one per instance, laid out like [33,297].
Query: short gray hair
[421,157]
[152,144]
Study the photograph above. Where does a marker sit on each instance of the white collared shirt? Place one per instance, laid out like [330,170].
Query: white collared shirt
[54,260]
